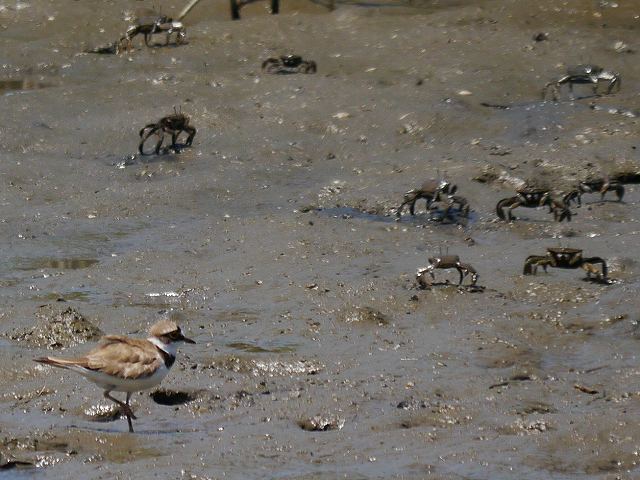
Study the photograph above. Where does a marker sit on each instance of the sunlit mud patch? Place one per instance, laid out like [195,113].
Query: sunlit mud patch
[172,397]
[526,427]
[117,448]
[321,423]
[58,327]
[258,367]
[103,413]
[10,463]
[431,413]
[363,316]
[55,263]
[45,449]
[8,87]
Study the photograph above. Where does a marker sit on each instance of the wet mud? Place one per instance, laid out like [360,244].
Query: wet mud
[273,242]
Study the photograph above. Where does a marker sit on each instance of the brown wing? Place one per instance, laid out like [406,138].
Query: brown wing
[124,357]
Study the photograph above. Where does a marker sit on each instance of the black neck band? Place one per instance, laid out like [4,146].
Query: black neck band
[167,357]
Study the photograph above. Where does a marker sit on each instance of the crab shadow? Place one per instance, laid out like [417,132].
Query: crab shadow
[540,103]
[602,202]
[435,216]
[541,221]
[170,150]
[599,281]
[284,72]
[169,45]
[347,213]
[169,153]
[441,216]
[148,159]
[459,288]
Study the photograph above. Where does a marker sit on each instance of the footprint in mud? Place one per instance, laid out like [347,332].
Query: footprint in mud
[172,397]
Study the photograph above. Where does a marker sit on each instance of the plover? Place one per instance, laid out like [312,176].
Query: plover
[124,364]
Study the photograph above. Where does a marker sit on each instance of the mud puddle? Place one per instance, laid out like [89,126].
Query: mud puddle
[10,87]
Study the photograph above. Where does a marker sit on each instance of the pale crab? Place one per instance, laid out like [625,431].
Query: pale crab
[445,262]
[174,125]
[583,74]
[149,23]
[567,258]
[289,64]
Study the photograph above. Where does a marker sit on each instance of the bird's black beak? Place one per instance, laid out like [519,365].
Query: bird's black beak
[185,339]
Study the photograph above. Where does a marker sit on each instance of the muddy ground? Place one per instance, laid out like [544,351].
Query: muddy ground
[272,242]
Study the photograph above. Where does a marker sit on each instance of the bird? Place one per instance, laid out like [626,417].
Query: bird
[124,364]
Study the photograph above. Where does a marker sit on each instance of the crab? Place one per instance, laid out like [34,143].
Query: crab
[445,262]
[288,64]
[172,124]
[583,74]
[602,186]
[236,5]
[558,205]
[568,258]
[431,190]
[525,197]
[150,23]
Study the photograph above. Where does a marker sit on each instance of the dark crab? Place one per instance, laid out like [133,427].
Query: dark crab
[583,74]
[525,197]
[149,23]
[431,191]
[174,125]
[568,258]
[601,186]
[445,262]
[288,64]
[236,5]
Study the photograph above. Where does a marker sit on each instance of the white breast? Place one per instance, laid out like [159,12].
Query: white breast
[117,384]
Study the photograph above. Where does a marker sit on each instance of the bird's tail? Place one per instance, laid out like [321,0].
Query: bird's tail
[56,362]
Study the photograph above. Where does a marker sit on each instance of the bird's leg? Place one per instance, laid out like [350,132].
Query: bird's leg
[124,406]
[130,413]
